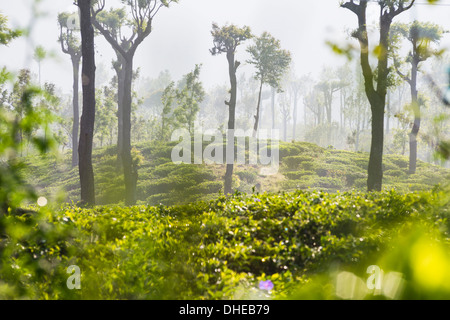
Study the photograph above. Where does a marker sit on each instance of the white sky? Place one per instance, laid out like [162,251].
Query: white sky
[181,36]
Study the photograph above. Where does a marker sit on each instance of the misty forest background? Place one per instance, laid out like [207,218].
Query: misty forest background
[87,177]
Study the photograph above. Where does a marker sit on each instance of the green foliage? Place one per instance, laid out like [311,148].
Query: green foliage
[270,61]
[249,176]
[6,34]
[228,38]
[105,117]
[20,120]
[222,249]
[113,20]
[420,34]
[40,53]
[167,121]
[69,39]
[189,98]
[25,236]
[303,165]
[295,162]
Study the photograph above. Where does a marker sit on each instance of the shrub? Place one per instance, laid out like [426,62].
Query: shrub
[308,165]
[248,176]
[395,173]
[360,183]
[331,183]
[352,176]
[332,159]
[399,161]
[362,163]
[295,162]
[215,250]
[296,175]
[207,188]
[287,150]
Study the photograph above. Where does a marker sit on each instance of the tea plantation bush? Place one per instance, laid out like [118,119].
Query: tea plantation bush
[219,249]
[160,181]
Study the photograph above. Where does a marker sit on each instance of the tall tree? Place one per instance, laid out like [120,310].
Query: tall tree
[226,40]
[285,113]
[344,74]
[16,101]
[39,55]
[115,21]
[271,62]
[88,114]
[314,101]
[296,85]
[328,86]
[142,13]
[168,97]
[376,93]
[70,44]
[105,114]
[420,36]
[189,98]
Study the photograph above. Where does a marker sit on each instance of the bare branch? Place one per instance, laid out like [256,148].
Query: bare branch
[109,37]
[353,7]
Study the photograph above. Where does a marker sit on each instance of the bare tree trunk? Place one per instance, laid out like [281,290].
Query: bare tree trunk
[273,108]
[305,121]
[388,113]
[232,66]
[120,72]
[88,115]
[76,109]
[328,107]
[375,170]
[341,108]
[129,169]
[294,126]
[417,120]
[258,109]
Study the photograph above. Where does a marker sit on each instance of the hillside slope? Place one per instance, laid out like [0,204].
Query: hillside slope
[303,166]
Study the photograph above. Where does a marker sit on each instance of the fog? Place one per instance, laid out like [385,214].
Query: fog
[181,36]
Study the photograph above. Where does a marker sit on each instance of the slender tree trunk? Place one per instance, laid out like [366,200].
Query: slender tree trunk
[388,113]
[273,108]
[375,170]
[417,120]
[39,64]
[120,72]
[378,104]
[228,186]
[305,115]
[129,169]
[258,109]
[341,108]
[76,110]
[358,127]
[295,115]
[328,106]
[88,115]
[261,112]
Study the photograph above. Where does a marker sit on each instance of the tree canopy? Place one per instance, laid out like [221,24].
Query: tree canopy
[270,61]
[228,38]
